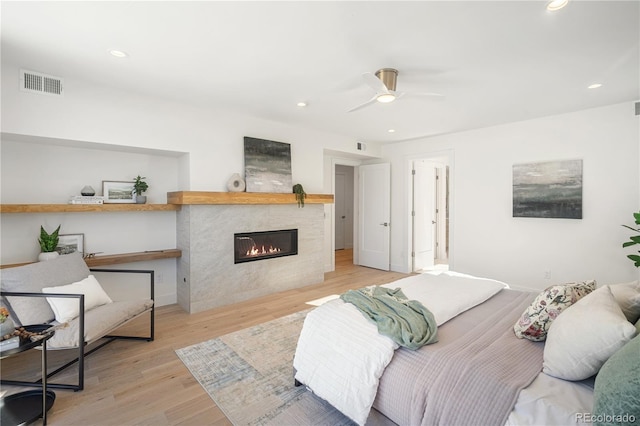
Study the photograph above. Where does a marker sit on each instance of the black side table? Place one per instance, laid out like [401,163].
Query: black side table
[26,407]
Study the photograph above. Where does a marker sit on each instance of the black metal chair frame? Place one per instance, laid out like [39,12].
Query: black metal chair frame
[81,347]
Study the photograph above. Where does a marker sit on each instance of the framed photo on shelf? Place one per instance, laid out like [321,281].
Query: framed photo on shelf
[70,243]
[118,192]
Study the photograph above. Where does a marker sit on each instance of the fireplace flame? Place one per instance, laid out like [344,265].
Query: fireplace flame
[259,251]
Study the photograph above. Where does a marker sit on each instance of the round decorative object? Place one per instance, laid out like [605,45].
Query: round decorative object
[236,183]
[7,327]
[88,191]
[141,199]
[48,255]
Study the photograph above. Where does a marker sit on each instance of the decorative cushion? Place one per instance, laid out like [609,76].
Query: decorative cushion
[534,323]
[585,336]
[628,297]
[32,278]
[616,393]
[66,309]
[98,322]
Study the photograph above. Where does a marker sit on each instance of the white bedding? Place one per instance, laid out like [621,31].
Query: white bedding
[340,355]
[553,402]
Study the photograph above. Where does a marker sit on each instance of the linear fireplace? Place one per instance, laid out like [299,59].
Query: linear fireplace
[251,246]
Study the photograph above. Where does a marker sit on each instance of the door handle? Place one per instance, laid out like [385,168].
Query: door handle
[343,217]
[385,224]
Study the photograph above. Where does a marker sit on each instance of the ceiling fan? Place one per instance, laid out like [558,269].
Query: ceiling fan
[384,83]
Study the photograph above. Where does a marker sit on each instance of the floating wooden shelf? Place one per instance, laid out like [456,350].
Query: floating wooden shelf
[71,208]
[203,197]
[115,259]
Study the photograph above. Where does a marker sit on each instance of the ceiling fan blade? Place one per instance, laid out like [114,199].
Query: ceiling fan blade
[369,102]
[375,83]
[426,94]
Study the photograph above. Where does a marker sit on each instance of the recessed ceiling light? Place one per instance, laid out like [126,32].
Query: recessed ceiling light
[554,5]
[594,85]
[302,104]
[118,53]
[391,130]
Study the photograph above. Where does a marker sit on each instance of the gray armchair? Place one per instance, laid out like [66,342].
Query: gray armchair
[22,294]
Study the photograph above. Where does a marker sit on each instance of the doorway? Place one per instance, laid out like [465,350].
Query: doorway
[430,215]
[344,209]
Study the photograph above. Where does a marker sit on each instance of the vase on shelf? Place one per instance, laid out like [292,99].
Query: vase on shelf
[88,191]
[236,183]
[44,256]
[141,199]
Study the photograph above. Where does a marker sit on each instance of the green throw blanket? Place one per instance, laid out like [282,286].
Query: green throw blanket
[407,322]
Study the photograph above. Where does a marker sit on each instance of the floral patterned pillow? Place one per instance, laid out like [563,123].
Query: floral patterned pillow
[537,318]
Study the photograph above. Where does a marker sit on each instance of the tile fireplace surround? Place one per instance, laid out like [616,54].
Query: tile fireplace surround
[207,275]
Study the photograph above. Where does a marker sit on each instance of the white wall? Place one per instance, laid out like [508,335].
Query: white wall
[52,146]
[486,240]
[48,172]
[213,138]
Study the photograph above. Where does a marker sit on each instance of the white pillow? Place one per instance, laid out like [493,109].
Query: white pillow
[585,335]
[628,297]
[66,309]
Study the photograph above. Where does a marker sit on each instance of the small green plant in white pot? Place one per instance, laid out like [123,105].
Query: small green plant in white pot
[140,186]
[48,243]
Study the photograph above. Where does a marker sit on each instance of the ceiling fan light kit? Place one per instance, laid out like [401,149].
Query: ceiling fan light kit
[389,78]
[386,98]
[384,83]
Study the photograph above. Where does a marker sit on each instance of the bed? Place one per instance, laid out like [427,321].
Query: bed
[478,372]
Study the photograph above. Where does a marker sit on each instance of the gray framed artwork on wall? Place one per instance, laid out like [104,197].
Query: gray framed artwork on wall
[267,166]
[551,189]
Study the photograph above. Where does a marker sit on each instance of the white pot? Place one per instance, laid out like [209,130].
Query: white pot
[47,256]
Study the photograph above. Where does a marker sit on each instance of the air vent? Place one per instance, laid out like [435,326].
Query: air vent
[44,84]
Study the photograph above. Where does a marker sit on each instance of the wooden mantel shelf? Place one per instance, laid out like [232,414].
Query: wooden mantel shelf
[115,259]
[204,197]
[70,208]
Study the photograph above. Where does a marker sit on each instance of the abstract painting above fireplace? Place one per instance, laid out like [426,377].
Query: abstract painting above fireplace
[267,166]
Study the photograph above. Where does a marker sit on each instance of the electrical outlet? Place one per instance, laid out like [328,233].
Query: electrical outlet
[547,274]
[159,277]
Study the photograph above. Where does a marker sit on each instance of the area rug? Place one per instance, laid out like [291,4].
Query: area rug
[249,375]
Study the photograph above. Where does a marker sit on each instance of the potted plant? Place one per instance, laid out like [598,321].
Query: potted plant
[635,239]
[300,194]
[140,186]
[48,243]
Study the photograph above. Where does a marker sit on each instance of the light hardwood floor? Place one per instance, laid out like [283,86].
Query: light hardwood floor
[145,383]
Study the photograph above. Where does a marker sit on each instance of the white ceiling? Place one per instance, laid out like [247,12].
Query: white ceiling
[495,62]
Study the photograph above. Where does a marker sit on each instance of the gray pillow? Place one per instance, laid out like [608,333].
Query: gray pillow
[32,278]
[616,393]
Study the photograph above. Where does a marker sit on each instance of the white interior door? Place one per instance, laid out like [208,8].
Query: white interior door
[340,204]
[424,217]
[374,214]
